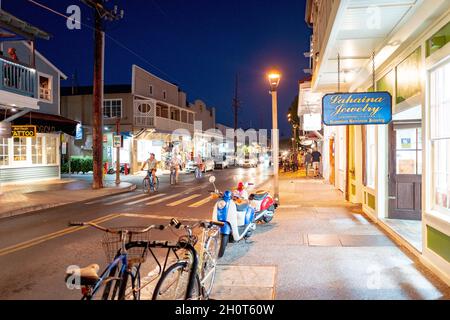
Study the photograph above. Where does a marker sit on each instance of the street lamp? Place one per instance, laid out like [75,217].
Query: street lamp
[274,81]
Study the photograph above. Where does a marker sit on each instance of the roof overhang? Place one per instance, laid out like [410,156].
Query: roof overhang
[17,29]
[362,27]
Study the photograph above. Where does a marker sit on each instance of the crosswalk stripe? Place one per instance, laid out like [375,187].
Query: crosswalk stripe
[200,203]
[126,199]
[164,199]
[145,199]
[176,203]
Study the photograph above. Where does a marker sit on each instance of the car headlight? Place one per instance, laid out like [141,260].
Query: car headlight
[221,204]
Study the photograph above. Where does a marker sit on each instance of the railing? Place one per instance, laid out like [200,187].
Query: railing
[17,78]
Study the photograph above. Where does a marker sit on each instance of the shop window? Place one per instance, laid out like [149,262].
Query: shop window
[371,155]
[112,108]
[408,77]
[438,40]
[4,152]
[50,149]
[45,87]
[191,118]
[409,151]
[36,150]
[20,149]
[440,136]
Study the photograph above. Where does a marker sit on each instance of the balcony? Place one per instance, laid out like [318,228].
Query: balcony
[17,78]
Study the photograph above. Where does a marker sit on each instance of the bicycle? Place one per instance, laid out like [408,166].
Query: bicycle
[148,184]
[198,172]
[190,278]
[126,248]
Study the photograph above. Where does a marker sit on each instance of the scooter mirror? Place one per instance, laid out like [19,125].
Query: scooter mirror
[212,179]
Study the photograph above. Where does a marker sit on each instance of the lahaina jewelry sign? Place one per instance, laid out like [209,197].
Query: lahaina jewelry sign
[368,108]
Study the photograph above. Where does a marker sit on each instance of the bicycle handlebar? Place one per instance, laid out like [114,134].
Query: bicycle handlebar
[202,223]
[91,224]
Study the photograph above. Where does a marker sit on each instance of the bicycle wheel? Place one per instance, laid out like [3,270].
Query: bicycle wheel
[174,282]
[209,263]
[146,185]
[132,289]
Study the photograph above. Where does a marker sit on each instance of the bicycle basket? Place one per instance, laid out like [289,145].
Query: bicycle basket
[112,243]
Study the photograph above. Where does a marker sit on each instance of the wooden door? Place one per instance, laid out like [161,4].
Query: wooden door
[405,171]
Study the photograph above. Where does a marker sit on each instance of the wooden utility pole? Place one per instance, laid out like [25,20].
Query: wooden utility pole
[236,106]
[100,14]
[97,104]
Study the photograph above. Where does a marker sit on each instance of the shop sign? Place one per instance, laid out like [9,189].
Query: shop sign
[5,130]
[79,132]
[312,122]
[368,108]
[23,131]
[117,141]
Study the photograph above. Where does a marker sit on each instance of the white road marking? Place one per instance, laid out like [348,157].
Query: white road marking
[176,203]
[145,199]
[126,199]
[200,203]
[164,199]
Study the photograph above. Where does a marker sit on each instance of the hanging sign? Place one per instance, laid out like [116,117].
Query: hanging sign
[368,108]
[117,141]
[23,131]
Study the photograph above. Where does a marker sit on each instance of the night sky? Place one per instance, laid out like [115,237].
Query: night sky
[199,44]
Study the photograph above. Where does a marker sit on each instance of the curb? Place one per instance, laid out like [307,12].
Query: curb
[40,207]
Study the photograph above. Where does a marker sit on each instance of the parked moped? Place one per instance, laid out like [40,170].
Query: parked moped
[261,201]
[238,217]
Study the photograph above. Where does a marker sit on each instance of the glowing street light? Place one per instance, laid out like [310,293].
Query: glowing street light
[274,78]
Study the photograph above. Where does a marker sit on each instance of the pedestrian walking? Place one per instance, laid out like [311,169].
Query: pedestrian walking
[316,158]
[308,161]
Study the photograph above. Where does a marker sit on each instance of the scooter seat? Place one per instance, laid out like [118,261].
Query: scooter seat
[259,195]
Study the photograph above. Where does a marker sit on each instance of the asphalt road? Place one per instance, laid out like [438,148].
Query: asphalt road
[37,248]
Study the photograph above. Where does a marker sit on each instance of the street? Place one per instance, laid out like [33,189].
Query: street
[37,248]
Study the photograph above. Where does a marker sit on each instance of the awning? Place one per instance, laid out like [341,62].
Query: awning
[45,123]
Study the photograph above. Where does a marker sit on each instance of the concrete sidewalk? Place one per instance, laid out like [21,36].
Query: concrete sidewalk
[21,198]
[321,247]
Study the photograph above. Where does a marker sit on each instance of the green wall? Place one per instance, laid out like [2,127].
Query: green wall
[438,242]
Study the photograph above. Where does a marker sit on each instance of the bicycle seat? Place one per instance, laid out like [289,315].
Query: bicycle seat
[88,275]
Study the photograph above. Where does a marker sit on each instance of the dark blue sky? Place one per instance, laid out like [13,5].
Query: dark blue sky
[198,44]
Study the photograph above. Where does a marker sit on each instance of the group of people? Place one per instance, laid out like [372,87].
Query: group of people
[309,159]
[176,164]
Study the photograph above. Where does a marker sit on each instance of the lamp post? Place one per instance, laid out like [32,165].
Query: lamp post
[274,80]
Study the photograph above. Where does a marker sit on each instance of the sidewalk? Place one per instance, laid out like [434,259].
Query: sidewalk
[320,247]
[21,198]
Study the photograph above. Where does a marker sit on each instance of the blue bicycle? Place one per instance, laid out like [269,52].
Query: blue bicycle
[127,249]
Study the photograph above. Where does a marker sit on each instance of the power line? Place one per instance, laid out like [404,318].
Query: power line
[117,42]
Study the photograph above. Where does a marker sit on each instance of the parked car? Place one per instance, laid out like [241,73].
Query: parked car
[222,164]
[248,162]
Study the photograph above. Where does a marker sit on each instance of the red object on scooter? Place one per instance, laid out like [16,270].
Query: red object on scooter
[240,186]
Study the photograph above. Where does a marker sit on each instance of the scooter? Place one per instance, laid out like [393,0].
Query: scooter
[238,217]
[261,201]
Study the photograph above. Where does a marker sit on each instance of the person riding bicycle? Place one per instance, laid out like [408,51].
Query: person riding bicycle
[151,163]
[175,164]
[199,162]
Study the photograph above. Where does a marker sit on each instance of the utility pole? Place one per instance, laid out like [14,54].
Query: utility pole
[100,13]
[236,106]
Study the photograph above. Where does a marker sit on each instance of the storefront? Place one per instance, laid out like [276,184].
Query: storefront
[37,157]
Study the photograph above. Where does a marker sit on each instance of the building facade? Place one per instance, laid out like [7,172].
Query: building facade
[398,172]
[152,114]
[29,95]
